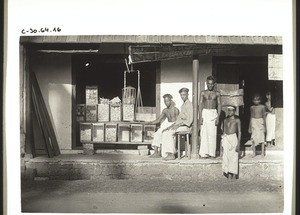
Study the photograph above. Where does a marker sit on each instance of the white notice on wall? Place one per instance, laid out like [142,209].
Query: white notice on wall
[275,67]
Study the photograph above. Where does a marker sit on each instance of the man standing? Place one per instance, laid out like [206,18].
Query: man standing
[183,123]
[210,109]
[167,118]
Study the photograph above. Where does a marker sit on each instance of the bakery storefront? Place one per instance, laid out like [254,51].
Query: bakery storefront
[95,93]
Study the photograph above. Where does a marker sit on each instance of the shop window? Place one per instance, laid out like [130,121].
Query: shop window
[107,72]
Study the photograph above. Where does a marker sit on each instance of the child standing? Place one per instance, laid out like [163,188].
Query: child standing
[257,125]
[231,139]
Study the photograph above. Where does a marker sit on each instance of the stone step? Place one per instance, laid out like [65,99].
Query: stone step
[247,150]
[112,166]
[28,173]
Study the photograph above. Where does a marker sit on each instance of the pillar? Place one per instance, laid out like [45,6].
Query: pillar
[195,154]
[29,139]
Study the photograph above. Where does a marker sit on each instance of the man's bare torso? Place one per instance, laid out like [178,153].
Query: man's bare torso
[210,99]
[171,113]
[231,125]
[258,111]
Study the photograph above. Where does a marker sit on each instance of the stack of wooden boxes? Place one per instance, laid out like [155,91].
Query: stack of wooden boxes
[103,123]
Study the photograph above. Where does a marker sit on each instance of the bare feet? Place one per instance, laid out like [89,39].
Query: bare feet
[155,155]
[170,157]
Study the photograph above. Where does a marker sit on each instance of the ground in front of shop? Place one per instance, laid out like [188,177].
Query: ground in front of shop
[152,196]
[114,183]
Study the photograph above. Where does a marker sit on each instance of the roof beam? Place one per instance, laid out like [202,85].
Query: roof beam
[156,39]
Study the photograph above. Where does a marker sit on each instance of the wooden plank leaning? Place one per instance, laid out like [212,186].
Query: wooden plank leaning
[45,115]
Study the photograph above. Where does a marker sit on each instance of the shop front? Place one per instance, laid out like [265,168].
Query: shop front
[99,91]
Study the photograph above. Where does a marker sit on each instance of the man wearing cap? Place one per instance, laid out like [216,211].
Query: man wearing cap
[210,109]
[231,139]
[183,123]
[167,118]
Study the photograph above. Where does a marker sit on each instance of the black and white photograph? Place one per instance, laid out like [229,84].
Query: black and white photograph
[150,123]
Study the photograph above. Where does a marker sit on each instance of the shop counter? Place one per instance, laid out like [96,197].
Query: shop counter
[117,132]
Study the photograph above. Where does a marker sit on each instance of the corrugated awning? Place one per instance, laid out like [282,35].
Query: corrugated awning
[156,39]
[149,53]
[148,48]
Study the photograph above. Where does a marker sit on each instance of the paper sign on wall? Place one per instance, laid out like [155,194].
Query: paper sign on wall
[275,67]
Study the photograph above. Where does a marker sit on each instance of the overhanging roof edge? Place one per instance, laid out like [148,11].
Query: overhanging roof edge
[155,39]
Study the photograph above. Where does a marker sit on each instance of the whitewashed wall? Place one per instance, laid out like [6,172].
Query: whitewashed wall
[54,76]
[178,73]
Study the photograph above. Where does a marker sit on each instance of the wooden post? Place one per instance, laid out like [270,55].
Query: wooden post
[22,100]
[29,141]
[195,154]
[158,85]
[178,145]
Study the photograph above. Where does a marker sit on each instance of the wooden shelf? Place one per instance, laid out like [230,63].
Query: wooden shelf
[116,122]
[132,143]
[120,123]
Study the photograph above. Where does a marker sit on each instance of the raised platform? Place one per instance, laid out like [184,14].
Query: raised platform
[116,165]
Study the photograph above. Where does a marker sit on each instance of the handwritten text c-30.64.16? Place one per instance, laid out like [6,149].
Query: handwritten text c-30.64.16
[41,30]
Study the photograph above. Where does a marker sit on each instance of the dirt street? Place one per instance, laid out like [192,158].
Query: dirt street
[152,196]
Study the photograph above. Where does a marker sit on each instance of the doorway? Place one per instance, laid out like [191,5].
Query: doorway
[249,74]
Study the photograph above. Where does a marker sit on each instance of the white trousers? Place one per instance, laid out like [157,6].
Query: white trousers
[208,134]
[270,124]
[167,139]
[230,156]
[157,137]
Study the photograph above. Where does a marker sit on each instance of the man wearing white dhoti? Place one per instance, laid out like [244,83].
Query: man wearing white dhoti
[231,143]
[210,109]
[183,123]
[166,119]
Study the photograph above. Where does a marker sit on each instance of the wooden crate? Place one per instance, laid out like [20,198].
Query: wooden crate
[98,132]
[91,113]
[103,112]
[111,132]
[145,117]
[85,132]
[123,132]
[136,133]
[91,95]
[146,110]
[232,97]
[80,112]
[115,112]
[149,131]
[145,114]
